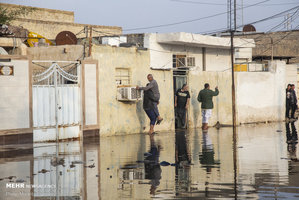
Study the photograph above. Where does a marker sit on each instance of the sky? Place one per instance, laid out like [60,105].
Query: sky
[134,14]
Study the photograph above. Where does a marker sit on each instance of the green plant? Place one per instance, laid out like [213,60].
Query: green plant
[8,15]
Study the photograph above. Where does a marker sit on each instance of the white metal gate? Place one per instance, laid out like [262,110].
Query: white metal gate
[56,97]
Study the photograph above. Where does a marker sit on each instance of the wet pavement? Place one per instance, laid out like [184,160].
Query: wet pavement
[260,163]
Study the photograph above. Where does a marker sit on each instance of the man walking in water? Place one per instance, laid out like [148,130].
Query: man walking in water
[153,86]
[205,96]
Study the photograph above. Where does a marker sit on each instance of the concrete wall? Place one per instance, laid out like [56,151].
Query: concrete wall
[222,103]
[286,43]
[118,117]
[50,29]
[43,13]
[14,98]
[20,47]
[161,55]
[260,96]
[49,22]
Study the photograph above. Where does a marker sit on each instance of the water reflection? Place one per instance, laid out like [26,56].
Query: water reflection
[292,140]
[260,163]
[182,162]
[152,166]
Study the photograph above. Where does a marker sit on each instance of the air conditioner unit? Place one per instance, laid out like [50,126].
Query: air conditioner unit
[128,94]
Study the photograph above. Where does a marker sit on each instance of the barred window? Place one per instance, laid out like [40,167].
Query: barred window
[122,76]
[191,61]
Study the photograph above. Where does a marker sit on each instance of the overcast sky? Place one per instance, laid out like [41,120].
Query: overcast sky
[131,14]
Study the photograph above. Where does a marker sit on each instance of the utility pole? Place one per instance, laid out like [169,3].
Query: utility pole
[232,30]
[84,44]
[235,15]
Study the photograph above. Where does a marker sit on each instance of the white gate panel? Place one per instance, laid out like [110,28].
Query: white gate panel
[44,105]
[56,92]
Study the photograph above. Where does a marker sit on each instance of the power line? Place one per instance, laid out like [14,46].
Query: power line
[261,20]
[223,4]
[281,39]
[189,21]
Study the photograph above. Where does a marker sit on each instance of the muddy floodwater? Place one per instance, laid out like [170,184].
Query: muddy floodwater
[260,163]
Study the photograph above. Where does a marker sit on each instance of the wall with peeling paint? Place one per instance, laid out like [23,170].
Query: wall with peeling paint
[126,118]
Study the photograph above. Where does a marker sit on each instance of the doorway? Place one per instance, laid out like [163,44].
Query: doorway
[180,77]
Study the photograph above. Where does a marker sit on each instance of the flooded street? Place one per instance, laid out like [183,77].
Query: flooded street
[261,163]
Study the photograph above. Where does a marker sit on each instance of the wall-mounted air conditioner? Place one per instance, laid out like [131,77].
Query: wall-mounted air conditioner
[128,94]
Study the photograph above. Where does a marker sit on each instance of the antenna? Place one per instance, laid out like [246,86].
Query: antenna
[288,21]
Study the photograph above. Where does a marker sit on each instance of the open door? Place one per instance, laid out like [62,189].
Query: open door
[179,79]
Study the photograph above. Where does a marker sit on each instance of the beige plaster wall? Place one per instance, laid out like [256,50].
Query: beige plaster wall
[14,98]
[260,96]
[123,118]
[222,103]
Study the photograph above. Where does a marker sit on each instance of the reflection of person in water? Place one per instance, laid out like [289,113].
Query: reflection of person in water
[152,166]
[292,140]
[183,160]
[206,157]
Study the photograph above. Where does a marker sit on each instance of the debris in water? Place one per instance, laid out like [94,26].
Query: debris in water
[57,161]
[11,177]
[90,166]
[72,165]
[164,163]
[20,181]
[43,171]
[77,162]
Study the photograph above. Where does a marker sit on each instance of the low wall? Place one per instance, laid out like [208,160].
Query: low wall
[260,96]
[15,98]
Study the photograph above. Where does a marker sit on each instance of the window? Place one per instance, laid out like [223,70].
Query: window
[191,61]
[179,61]
[122,76]
[183,61]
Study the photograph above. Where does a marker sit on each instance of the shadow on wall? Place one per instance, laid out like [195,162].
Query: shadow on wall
[195,106]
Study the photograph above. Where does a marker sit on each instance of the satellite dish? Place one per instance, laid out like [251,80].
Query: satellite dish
[249,28]
[66,37]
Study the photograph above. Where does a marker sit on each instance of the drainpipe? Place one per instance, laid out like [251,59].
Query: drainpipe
[204,62]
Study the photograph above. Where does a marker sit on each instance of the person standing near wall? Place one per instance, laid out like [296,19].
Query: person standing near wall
[205,96]
[149,108]
[181,104]
[153,86]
